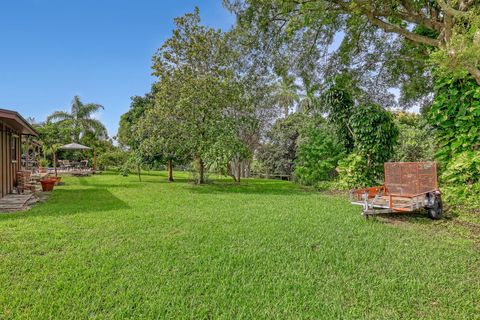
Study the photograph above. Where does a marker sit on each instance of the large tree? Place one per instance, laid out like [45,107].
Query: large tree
[80,120]
[204,94]
[370,30]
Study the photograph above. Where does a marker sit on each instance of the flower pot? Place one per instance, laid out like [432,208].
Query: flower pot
[57,180]
[48,184]
[42,169]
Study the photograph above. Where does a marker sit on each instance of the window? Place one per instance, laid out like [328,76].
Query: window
[14,143]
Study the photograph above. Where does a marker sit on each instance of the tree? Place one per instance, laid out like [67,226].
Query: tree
[286,93]
[52,136]
[195,65]
[157,134]
[279,151]
[80,120]
[375,136]
[456,39]
[128,121]
[309,102]
[338,102]
[416,140]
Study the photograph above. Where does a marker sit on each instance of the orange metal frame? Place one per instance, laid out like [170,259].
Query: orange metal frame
[406,173]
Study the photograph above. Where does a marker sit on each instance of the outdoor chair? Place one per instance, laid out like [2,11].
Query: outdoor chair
[67,165]
[84,165]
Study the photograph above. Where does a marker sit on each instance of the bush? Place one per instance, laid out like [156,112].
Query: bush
[112,160]
[354,172]
[463,169]
[318,153]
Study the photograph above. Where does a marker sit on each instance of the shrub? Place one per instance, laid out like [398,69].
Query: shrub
[463,169]
[112,160]
[355,172]
[318,153]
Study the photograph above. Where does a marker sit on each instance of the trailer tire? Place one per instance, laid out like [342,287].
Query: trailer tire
[435,212]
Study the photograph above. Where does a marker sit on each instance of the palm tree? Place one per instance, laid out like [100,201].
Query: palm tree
[286,93]
[80,119]
[309,102]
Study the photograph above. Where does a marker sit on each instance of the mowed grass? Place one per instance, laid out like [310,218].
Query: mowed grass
[110,247]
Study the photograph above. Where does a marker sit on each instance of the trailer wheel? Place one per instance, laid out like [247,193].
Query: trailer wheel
[435,212]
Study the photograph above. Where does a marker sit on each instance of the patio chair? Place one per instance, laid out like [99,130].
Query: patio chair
[84,165]
[67,165]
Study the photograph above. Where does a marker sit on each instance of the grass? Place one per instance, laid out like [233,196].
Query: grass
[110,247]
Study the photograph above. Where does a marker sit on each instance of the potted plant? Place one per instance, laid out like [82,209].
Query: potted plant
[48,184]
[57,180]
[43,166]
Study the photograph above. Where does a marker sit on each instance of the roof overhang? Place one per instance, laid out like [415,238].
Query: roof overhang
[17,122]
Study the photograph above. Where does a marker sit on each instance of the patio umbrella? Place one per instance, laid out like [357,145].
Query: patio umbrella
[77,146]
[74,146]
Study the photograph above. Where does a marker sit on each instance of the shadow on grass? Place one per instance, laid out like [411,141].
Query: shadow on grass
[65,202]
[267,187]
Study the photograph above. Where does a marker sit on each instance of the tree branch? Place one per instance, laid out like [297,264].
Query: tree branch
[449,10]
[403,32]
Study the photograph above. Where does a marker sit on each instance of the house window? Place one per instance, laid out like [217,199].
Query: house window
[14,148]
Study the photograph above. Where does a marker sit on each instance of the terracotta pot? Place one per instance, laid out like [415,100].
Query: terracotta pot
[48,184]
[42,170]
[57,180]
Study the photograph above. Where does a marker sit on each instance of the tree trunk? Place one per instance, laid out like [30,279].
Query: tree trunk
[248,169]
[201,171]
[170,170]
[239,171]
[139,172]
[55,162]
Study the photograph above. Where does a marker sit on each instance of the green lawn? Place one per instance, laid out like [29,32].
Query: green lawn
[112,247]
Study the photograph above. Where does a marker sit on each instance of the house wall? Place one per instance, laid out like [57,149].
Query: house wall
[8,167]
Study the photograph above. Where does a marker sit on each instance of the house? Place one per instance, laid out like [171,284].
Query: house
[15,131]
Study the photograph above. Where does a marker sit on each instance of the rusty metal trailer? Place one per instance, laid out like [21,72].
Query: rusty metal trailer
[408,186]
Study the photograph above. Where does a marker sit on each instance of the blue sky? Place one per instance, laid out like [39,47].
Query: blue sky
[51,50]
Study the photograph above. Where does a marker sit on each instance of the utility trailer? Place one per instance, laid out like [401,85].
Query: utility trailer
[408,186]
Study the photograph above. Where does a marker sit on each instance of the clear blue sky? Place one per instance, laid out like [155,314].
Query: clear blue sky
[51,50]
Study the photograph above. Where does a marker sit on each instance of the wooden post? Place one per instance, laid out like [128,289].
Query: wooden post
[94,158]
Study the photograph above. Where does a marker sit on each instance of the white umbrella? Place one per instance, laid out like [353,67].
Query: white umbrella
[77,146]
[74,146]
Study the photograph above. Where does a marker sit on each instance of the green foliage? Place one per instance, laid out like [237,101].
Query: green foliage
[112,160]
[128,121]
[52,135]
[278,154]
[462,54]
[375,135]
[463,169]
[80,120]
[44,163]
[455,115]
[198,95]
[318,153]
[339,103]
[356,172]
[416,140]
